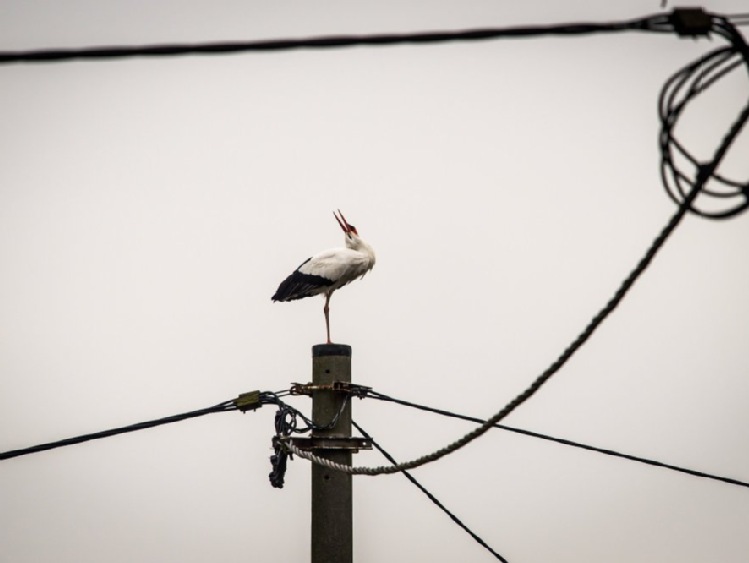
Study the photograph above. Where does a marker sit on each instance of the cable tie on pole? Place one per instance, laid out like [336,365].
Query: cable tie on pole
[691,22]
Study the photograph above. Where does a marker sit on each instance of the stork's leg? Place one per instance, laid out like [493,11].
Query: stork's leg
[326,309]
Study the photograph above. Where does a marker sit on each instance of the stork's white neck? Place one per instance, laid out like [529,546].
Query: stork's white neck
[354,242]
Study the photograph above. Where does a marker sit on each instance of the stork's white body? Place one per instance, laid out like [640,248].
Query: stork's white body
[328,271]
[339,265]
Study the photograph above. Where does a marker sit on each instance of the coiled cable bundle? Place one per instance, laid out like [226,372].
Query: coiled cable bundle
[720,197]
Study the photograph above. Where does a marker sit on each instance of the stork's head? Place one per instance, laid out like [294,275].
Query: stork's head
[354,242]
[352,236]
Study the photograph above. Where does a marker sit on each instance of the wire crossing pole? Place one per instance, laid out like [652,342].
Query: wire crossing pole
[332,531]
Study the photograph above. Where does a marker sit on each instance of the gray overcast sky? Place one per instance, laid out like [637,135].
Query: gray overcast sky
[149,209]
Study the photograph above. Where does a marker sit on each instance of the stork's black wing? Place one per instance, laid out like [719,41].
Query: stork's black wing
[299,285]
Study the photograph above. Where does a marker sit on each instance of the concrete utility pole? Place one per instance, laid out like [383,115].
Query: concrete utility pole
[332,531]
[331,390]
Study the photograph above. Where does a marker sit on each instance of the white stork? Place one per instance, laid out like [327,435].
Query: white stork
[329,270]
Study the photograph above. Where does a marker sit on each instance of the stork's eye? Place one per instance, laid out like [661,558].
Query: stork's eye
[353,229]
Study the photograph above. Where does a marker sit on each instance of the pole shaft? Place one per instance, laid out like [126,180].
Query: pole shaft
[332,531]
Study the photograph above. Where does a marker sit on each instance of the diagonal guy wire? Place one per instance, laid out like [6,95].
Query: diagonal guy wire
[430,496]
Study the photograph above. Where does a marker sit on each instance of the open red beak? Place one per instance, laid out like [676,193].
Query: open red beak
[342,222]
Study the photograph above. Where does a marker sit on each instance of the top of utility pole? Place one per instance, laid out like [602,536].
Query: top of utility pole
[321,350]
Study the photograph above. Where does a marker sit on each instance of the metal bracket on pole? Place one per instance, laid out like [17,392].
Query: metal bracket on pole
[313,443]
[338,386]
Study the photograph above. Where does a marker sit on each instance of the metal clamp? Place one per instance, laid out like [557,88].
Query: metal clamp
[313,443]
[338,386]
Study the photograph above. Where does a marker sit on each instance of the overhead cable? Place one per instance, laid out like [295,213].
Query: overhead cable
[245,402]
[681,20]
[562,441]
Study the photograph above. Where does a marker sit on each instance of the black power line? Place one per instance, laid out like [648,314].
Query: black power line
[562,441]
[685,21]
[246,401]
